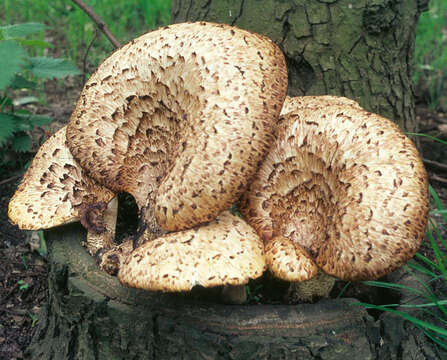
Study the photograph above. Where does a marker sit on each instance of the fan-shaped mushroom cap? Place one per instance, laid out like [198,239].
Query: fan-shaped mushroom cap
[289,261]
[227,251]
[180,117]
[346,185]
[54,189]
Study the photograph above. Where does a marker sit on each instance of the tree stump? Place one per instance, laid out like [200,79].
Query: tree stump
[359,49]
[89,315]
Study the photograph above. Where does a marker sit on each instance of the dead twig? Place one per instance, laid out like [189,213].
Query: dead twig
[12,178]
[99,22]
[438,178]
[435,164]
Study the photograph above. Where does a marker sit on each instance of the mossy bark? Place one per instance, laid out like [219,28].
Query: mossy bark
[89,315]
[360,49]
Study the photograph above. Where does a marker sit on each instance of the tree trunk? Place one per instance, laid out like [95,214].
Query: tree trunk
[89,315]
[359,49]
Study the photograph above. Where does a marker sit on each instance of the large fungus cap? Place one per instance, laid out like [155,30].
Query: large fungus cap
[344,184]
[55,189]
[227,251]
[180,118]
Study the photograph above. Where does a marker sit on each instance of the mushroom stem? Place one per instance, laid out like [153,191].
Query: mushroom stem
[148,227]
[234,294]
[97,241]
[311,290]
[110,260]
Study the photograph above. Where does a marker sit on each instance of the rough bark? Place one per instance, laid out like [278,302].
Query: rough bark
[360,49]
[89,315]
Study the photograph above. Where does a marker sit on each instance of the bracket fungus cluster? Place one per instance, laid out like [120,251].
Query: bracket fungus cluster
[342,190]
[180,118]
[187,120]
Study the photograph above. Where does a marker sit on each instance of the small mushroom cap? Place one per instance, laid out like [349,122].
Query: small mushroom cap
[288,261]
[226,251]
[180,118]
[346,185]
[54,189]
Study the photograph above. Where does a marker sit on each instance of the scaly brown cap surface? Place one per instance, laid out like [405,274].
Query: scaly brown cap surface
[227,251]
[346,185]
[54,189]
[289,261]
[180,118]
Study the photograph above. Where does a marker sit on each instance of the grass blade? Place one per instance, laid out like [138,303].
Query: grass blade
[438,202]
[434,138]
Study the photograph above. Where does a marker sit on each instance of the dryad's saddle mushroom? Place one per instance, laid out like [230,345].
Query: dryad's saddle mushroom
[341,189]
[226,251]
[180,118]
[55,191]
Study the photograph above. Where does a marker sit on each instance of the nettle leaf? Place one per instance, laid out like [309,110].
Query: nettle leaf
[45,67]
[19,82]
[22,143]
[40,120]
[8,127]
[12,58]
[21,30]
[5,101]
[27,121]
[23,120]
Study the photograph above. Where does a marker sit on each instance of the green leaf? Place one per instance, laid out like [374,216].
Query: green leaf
[22,143]
[23,122]
[12,58]
[19,82]
[35,43]
[4,102]
[25,100]
[21,30]
[40,120]
[45,67]
[7,127]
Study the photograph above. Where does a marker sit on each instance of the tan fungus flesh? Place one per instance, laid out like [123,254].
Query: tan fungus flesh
[226,251]
[54,189]
[346,185]
[180,118]
[288,261]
